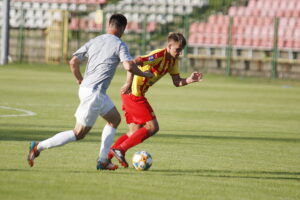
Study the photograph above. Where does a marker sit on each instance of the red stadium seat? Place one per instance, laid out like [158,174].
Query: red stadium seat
[74,25]
[194,27]
[201,27]
[83,24]
[212,19]
[253,26]
[232,11]
[193,39]
[281,42]
[296,44]
[224,20]
[252,21]
[200,39]
[151,26]
[252,4]
[247,41]
[292,22]
[241,11]
[223,41]
[208,40]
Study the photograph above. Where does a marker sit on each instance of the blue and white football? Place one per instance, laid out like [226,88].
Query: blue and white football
[142,160]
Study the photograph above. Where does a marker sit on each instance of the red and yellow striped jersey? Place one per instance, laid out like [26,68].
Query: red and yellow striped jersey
[159,65]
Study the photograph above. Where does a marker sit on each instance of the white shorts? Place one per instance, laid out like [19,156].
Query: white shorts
[93,103]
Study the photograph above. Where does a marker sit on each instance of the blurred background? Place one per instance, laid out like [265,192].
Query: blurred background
[258,38]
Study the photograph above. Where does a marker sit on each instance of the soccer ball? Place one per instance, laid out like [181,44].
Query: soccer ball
[142,160]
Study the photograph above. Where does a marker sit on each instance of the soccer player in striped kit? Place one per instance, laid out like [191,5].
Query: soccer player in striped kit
[139,114]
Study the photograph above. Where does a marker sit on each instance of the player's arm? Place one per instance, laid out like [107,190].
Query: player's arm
[194,77]
[74,66]
[130,64]
[78,56]
[132,67]
[126,88]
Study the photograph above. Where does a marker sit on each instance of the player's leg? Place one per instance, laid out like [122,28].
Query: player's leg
[57,140]
[127,102]
[65,137]
[132,128]
[137,137]
[113,118]
[137,111]
[86,115]
[141,134]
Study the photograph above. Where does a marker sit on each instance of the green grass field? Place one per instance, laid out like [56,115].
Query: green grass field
[225,138]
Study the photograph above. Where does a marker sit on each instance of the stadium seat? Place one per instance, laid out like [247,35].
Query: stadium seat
[212,19]
[74,24]
[45,6]
[232,11]
[82,7]
[63,6]
[83,23]
[194,27]
[200,39]
[193,39]
[201,27]
[151,27]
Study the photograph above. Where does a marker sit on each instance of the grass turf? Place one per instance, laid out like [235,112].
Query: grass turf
[224,138]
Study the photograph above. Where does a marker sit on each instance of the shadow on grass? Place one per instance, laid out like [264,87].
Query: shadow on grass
[39,135]
[267,175]
[24,135]
[94,136]
[25,132]
[276,175]
[178,136]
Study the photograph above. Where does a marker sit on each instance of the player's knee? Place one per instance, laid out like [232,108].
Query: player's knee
[155,130]
[152,128]
[80,134]
[115,123]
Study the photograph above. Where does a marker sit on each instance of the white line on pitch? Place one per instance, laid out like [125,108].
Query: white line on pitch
[24,114]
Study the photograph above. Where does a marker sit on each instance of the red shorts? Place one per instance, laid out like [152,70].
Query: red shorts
[137,109]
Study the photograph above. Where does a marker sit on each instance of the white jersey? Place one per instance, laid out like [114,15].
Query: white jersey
[104,53]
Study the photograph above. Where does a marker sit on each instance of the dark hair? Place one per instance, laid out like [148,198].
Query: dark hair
[177,37]
[118,21]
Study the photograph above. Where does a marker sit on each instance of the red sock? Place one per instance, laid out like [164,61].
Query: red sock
[119,141]
[136,138]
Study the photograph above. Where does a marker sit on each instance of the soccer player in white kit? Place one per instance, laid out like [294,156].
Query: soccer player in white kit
[104,53]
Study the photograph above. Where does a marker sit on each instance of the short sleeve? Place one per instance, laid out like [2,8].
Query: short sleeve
[152,59]
[124,53]
[82,52]
[174,70]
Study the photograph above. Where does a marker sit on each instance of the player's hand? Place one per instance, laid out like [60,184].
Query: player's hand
[148,74]
[195,77]
[126,88]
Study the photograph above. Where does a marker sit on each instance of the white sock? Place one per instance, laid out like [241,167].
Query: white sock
[57,140]
[108,134]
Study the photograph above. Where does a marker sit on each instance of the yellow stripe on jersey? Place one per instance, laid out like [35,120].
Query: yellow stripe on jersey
[157,63]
